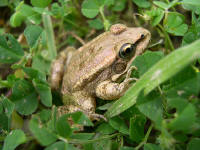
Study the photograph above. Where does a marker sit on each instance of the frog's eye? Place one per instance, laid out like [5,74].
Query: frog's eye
[127,50]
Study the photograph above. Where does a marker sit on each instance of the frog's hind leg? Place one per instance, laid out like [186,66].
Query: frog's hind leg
[58,67]
[81,101]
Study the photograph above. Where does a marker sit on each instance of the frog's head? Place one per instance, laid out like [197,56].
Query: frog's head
[131,42]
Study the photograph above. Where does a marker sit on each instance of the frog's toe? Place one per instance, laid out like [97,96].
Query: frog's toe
[130,70]
[97,117]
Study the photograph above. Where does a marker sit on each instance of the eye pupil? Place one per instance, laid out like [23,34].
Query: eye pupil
[142,36]
[127,50]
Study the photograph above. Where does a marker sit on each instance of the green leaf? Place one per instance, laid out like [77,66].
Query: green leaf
[16,19]
[193,31]
[119,124]
[96,24]
[7,105]
[119,5]
[136,128]
[156,16]
[142,3]
[13,139]
[105,106]
[191,2]
[159,73]
[61,11]
[34,74]
[109,2]
[184,84]
[178,103]
[81,118]
[194,144]
[44,91]
[174,24]
[192,5]
[161,4]
[42,134]
[151,106]
[184,119]
[24,12]
[32,34]
[147,60]
[40,3]
[57,10]
[4,121]
[57,146]
[126,148]
[90,8]
[25,97]
[105,128]
[41,64]
[150,146]
[82,136]
[45,115]
[63,127]
[100,145]
[10,49]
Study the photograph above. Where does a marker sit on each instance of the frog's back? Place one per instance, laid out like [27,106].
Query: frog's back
[88,62]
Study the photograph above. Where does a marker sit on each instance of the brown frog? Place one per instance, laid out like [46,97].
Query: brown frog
[95,68]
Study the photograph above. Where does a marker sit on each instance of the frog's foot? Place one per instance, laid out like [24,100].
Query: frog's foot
[128,72]
[71,108]
[94,116]
[128,78]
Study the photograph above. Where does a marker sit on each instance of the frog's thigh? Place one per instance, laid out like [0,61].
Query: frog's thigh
[79,101]
[58,67]
[85,101]
[109,90]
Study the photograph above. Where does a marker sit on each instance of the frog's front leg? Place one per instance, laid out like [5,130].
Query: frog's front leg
[109,90]
[58,67]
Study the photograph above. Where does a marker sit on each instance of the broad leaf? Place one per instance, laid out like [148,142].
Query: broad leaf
[32,34]
[119,124]
[25,97]
[10,49]
[40,3]
[42,134]
[90,8]
[13,139]
[44,91]
[63,127]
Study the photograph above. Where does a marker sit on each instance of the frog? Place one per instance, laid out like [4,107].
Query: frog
[99,69]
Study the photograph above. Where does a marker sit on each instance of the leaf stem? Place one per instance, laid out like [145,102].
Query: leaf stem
[50,36]
[167,37]
[105,21]
[144,141]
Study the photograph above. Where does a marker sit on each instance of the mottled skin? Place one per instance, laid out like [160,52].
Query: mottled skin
[94,69]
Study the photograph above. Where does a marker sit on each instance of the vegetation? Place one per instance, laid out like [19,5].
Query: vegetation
[158,112]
